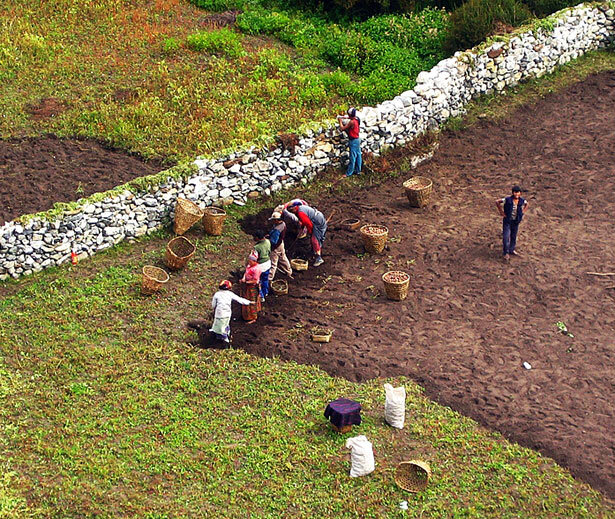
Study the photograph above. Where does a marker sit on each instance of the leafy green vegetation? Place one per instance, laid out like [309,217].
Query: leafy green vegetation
[386,52]
[126,72]
[476,19]
[222,41]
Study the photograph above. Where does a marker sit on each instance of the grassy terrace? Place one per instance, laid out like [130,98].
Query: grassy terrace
[107,412]
[123,71]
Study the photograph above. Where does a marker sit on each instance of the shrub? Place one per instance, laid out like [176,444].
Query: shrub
[382,85]
[259,21]
[426,31]
[546,7]
[221,41]
[218,5]
[170,45]
[475,20]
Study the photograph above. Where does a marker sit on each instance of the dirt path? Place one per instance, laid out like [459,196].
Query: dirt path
[37,172]
[470,320]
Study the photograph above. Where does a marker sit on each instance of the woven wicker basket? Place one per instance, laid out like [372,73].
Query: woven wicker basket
[187,213]
[299,264]
[396,284]
[279,286]
[418,191]
[374,237]
[343,429]
[213,220]
[322,335]
[153,279]
[179,252]
[413,475]
[350,224]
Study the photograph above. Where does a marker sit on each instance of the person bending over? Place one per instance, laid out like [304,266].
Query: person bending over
[315,225]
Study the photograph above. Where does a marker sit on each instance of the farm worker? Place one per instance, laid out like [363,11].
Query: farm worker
[278,252]
[283,208]
[249,289]
[262,248]
[351,127]
[221,304]
[316,226]
[511,209]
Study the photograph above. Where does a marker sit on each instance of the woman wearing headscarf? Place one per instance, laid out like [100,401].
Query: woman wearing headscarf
[221,304]
[283,208]
[250,289]
[315,225]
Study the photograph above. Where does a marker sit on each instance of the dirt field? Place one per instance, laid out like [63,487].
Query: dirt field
[471,321]
[37,172]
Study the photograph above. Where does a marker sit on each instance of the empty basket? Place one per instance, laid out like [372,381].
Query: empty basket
[396,284]
[179,251]
[153,280]
[374,237]
[418,191]
[321,335]
[299,264]
[350,224]
[213,220]
[413,475]
[187,213]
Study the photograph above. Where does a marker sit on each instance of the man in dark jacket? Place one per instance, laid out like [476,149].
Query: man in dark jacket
[511,209]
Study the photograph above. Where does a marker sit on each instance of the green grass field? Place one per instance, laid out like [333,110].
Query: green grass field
[126,72]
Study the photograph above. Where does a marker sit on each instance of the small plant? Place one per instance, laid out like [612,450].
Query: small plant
[561,326]
[170,45]
[220,42]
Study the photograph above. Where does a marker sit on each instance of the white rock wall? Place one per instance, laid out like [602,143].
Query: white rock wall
[439,94]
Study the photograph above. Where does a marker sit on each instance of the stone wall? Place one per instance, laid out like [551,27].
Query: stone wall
[102,221]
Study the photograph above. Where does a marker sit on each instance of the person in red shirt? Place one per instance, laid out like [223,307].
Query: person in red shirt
[316,226]
[351,127]
[249,289]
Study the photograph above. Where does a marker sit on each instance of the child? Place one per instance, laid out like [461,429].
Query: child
[250,289]
[262,248]
[221,304]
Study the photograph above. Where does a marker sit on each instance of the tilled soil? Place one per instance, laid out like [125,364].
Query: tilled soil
[471,320]
[37,172]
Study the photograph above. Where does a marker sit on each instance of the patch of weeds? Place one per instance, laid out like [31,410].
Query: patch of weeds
[170,45]
[222,42]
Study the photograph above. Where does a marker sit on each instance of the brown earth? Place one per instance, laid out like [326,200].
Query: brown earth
[471,321]
[37,172]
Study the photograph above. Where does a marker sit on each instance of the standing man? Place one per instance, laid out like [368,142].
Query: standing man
[316,226]
[278,253]
[511,209]
[354,142]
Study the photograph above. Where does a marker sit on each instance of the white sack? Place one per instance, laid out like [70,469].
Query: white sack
[395,406]
[361,456]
